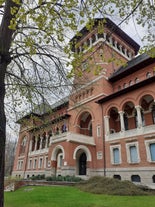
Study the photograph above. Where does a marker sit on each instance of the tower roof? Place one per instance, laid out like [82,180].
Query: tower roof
[113,28]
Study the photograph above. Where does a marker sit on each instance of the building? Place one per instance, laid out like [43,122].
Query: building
[107,125]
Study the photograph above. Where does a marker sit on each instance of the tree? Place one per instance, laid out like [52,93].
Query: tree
[9,153]
[32,36]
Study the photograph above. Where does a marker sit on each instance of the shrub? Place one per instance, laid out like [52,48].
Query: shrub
[111,186]
[66,178]
[38,177]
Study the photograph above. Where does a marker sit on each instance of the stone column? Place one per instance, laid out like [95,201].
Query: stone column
[111,40]
[115,43]
[104,35]
[90,39]
[35,146]
[30,146]
[121,114]
[120,47]
[139,116]
[96,37]
[41,140]
[125,51]
[106,125]
[46,144]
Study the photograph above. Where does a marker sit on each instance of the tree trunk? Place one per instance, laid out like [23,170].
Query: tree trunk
[3,67]
[5,43]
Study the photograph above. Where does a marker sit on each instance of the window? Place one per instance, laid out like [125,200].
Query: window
[136,80]
[35,164]
[115,154]
[125,85]
[132,152]
[152,151]
[130,83]
[148,75]
[118,177]
[40,162]
[60,160]
[30,164]
[46,162]
[98,131]
[135,178]
[20,165]
[153,178]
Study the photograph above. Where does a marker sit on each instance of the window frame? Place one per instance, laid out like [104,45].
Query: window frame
[112,154]
[35,163]
[30,164]
[148,152]
[128,147]
[98,131]
[40,164]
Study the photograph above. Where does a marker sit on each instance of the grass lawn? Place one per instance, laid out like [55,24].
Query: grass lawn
[63,196]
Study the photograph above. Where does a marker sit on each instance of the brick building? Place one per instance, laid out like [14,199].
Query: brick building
[107,124]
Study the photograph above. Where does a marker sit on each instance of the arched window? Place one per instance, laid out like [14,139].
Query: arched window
[100,35]
[136,80]
[130,83]
[125,85]
[148,75]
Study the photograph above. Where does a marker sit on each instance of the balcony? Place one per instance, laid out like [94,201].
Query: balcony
[131,133]
[73,137]
[38,152]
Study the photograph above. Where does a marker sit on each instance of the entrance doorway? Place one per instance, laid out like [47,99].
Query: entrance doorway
[82,164]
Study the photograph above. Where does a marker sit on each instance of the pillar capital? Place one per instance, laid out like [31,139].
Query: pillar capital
[121,113]
[107,117]
[138,107]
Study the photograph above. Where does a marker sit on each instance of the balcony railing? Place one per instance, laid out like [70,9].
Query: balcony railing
[73,137]
[132,132]
[67,136]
